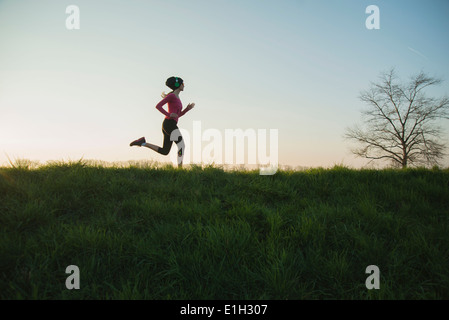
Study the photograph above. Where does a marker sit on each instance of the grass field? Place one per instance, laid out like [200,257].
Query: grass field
[207,233]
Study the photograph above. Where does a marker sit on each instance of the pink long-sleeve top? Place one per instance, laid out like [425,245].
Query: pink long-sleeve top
[174,106]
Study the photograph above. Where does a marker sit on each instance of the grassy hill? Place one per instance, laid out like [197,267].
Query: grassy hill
[207,233]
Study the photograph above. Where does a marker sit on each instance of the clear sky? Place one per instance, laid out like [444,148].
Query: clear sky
[291,65]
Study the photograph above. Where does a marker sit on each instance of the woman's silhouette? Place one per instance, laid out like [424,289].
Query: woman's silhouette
[169,126]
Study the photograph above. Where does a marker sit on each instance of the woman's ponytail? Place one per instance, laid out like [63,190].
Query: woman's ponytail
[163,95]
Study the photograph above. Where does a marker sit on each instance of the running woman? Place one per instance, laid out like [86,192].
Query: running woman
[170,125]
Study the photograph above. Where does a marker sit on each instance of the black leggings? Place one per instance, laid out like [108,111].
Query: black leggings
[168,126]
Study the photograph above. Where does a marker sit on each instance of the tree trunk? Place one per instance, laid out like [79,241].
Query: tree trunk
[404,159]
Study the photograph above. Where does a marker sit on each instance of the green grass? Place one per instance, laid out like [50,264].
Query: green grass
[206,233]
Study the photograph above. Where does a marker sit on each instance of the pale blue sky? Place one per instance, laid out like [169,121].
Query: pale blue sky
[296,66]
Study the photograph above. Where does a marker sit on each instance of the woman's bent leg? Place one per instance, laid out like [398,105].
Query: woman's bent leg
[151,146]
[166,146]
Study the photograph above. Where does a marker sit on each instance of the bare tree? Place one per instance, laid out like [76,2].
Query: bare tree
[400,122]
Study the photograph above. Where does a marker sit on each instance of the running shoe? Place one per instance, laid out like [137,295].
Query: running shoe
[138,142]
